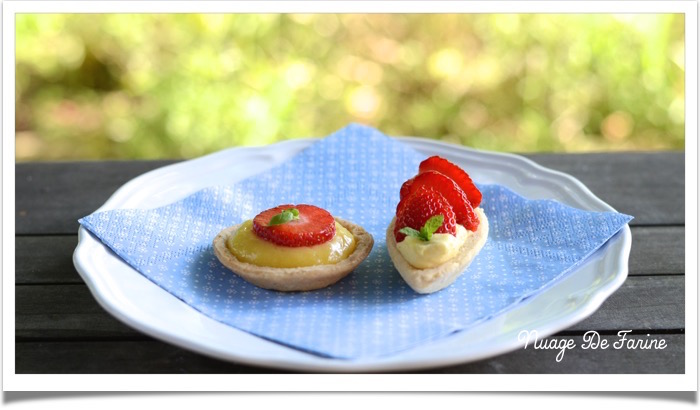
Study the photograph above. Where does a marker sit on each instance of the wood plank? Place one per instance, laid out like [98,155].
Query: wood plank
[69,311]
[657,250]
[642,302]
[670,360]
[51,197]
[64,311]
[648,186]
[45,259]
[120,357]
[48,259]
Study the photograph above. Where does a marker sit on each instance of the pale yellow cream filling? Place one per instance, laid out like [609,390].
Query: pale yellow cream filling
[250,248]
[438,250]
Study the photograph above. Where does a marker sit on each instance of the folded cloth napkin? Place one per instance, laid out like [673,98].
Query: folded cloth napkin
[356,174]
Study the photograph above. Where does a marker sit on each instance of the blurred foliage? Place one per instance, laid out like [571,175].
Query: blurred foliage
[182,85]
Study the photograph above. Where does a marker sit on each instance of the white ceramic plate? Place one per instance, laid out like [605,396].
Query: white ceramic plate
[139,303]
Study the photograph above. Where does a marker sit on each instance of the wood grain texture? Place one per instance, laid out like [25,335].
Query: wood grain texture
[60,328]
[119,357]
[643,302]
[648,186]
[51,197]
[55,311]
[64,311]
[45,259]
[143,357]
[670,360]
[657,250]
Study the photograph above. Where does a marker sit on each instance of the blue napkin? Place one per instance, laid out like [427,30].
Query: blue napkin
[356,174]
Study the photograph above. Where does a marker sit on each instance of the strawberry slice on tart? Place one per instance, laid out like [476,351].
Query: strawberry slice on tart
[437,231]
[287,225]
[293,248]
[418,208]
[457,174]
[449,189]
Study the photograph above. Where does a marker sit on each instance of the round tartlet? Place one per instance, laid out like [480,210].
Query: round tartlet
[300,278]
[433,279]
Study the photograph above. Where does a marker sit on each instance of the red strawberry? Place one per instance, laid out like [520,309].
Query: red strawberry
[421,205]
[313,226]
[453,171]
[449,189]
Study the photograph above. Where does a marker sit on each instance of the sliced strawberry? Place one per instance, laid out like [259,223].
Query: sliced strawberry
[439,164]
[312,227]
[449,189]
[421,205]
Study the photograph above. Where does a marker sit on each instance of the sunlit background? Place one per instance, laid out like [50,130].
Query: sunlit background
[183,85]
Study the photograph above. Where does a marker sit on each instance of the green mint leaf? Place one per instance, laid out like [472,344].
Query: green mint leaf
[284,217]
[410,232]
[280,218]
[430,226]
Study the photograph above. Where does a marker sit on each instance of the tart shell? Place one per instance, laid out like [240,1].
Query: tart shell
[433,279]
[295,279]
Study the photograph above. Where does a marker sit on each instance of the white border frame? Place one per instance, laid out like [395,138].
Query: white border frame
[687,382]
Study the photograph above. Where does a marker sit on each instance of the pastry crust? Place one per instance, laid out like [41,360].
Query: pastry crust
[433,279]
[295,279]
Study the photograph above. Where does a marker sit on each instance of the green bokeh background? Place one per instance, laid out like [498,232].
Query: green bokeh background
[132,86]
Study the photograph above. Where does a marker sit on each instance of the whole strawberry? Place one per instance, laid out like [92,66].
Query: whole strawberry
[418,208]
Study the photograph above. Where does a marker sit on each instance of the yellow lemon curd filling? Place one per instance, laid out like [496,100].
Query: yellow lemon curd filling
[438,250]
[250,248]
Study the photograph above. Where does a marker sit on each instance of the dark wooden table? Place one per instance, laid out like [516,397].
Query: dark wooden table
[60,328]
